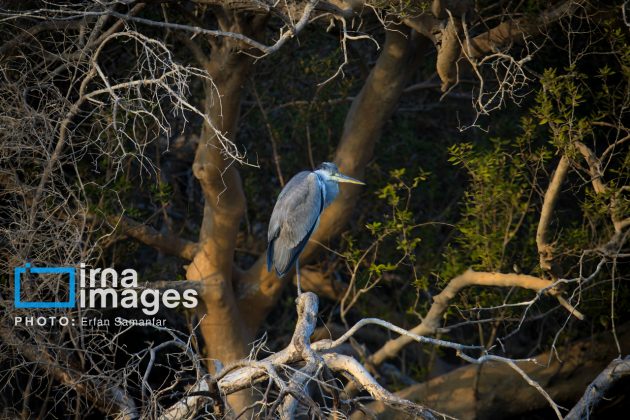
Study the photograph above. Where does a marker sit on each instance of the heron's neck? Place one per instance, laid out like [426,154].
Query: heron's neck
[330,187]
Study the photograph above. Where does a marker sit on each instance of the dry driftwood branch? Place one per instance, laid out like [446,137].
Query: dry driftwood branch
[313,358]
[355,370]
[187,407]
[596,391]
[290,382]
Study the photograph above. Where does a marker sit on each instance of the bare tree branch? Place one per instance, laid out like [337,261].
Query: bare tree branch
[513,31]
[287,35]
[596,173]
[546,214]
[318,356]
[431,321]
[107,396]
[596,391]
[482,391]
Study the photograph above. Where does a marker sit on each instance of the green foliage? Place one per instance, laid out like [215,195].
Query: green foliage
[394,240]
[400,221]
[161,192]
[497,202]
[476,202]
[502,178]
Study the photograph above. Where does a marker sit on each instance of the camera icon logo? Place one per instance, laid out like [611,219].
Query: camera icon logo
[27,269]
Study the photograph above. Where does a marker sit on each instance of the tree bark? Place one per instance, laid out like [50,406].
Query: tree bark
[221,323]
[223,209]
[515,31]
[545,249]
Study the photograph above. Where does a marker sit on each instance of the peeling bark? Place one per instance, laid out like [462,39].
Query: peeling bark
[449,51]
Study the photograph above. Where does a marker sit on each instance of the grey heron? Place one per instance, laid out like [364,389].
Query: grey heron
[296,215]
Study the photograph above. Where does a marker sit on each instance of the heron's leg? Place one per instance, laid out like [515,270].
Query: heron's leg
[297,273]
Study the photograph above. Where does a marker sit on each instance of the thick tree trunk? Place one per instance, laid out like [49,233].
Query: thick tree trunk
[482,391]
[224,207]
[221,323]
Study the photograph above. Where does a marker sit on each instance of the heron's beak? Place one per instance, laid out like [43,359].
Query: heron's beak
[347,179]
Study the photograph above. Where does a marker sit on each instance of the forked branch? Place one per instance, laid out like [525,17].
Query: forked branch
[290,370]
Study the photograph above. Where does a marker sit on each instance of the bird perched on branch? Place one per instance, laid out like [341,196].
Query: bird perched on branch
[296,215]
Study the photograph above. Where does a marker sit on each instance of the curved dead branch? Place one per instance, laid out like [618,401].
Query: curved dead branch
[433,318]
[549,204]
[291,370]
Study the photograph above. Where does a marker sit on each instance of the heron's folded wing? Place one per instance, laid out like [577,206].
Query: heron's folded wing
[293,219]
[288,199]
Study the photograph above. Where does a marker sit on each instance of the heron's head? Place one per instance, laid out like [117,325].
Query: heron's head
[330,172]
